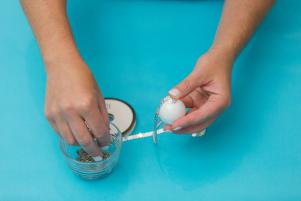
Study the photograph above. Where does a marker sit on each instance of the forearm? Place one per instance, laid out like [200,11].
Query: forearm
[238,22]
[50,25]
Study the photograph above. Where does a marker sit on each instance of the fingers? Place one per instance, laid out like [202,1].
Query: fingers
[211,109]
[95,122]
[61,127]
[73,130]
[73,121]
[169,127]
[105,139]
[195,99]
[83,136]
[195,128]
[188,101]
[190,129]
[65,131]
[185,87]
[53,125]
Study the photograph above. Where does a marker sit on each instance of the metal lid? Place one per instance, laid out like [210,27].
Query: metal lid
[121,114]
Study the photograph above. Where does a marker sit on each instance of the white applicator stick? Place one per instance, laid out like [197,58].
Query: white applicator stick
[143,135]
[97,158]
[150,134]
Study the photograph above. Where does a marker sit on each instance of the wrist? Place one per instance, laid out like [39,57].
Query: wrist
[214,61]
[59,52]
[60,56]
[222,57]
[59,59]
[64,64]
[223,52]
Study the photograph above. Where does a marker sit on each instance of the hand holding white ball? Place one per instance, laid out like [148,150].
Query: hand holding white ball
[171,110]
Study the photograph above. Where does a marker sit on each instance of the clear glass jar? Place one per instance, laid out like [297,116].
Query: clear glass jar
[97,169]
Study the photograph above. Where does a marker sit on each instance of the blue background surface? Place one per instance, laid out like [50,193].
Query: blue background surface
[138,50]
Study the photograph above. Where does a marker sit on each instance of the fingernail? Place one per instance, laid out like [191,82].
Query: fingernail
[176,129]
[199,134]
[174,92]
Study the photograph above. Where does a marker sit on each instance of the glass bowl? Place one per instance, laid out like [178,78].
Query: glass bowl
[97,169]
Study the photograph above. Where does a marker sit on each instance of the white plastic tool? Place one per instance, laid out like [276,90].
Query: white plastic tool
[151,133]
[142,135]
[97,158]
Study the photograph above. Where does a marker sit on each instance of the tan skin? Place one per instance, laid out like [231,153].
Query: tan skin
[207,89]
[74,100]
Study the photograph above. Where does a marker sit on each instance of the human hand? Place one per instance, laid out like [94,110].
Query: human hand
[206,91]
[75,107]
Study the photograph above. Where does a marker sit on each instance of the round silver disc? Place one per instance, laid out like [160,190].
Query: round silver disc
[121,114]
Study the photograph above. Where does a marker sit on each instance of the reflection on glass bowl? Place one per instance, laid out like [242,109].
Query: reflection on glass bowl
[97,169]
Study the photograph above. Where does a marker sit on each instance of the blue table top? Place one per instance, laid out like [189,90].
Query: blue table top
[138,50]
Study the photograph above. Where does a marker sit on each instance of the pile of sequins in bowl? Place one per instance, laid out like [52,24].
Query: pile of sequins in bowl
[85,166]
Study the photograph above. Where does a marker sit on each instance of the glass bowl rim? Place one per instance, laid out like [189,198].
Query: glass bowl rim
[63,143]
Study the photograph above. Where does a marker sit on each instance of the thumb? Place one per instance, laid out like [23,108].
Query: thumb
[189,84]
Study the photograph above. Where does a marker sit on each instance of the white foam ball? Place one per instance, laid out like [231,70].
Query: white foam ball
[171,110]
